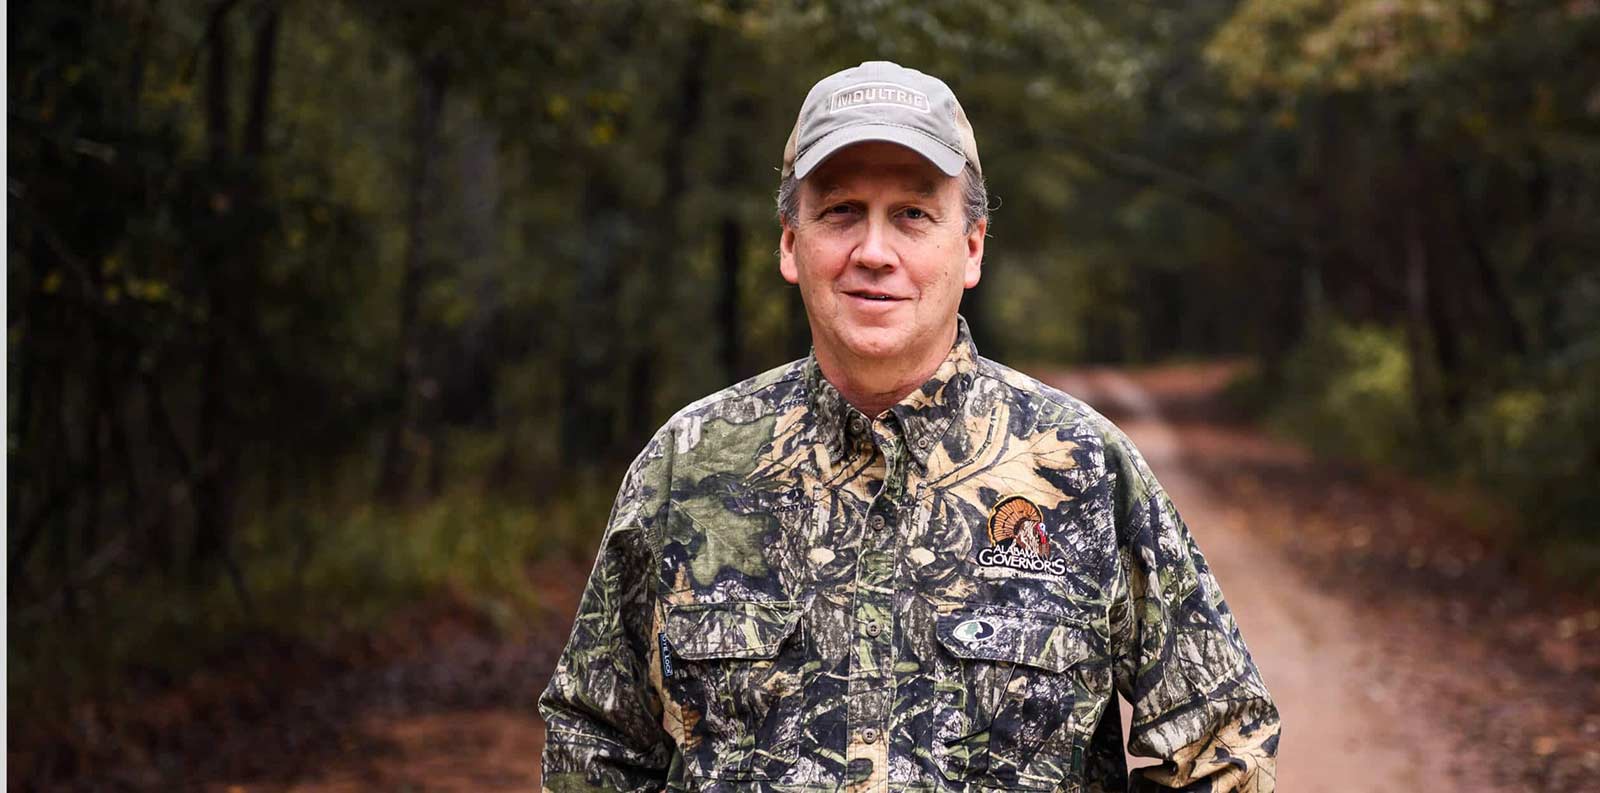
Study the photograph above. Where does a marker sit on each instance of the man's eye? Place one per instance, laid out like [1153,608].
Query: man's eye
[840,209]
[913,213]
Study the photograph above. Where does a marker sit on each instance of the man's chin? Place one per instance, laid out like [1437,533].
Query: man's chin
[876,344]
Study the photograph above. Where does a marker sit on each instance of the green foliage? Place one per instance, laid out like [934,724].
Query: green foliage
[1297,45]
[1538,447]
[1532,448]
[318,577]
[1412,154]
[1347,393]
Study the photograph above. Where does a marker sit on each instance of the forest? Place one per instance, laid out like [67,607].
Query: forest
[319,310]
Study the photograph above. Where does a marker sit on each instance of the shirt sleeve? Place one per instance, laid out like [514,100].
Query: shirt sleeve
[602,716]
[1199,704]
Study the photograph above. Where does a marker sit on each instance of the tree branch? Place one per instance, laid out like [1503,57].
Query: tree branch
[1263,228]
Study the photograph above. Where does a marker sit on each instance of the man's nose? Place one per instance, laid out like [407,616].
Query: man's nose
[877,246]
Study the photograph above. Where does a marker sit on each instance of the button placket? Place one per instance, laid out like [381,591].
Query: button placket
[873,653]
[874,601]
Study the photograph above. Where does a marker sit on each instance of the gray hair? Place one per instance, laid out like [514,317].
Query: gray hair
[974,197]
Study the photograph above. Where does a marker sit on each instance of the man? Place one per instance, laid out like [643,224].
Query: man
[895,564]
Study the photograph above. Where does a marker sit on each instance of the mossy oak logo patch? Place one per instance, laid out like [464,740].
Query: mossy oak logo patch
[1018,541]
[973,631]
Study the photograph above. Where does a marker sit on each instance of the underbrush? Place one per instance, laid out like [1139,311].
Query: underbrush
[1530,450]
[317,580]
[1540,444]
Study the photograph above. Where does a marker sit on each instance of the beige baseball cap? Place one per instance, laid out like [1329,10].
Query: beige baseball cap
[882,101]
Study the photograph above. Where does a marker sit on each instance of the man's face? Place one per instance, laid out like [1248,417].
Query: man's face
[881,253]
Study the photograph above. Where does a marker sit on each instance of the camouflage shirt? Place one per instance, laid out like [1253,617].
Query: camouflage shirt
[792,595]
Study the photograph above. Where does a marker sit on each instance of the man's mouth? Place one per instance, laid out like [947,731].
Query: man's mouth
[874,296]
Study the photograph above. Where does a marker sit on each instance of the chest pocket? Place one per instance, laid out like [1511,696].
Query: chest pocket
[738,683]
[1021,692]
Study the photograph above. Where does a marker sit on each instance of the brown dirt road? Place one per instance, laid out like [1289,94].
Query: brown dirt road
[1402,655]
[1414,679]
[1345,719]
[1342,714]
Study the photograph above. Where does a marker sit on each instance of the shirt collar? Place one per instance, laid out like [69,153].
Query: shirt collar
[923,415]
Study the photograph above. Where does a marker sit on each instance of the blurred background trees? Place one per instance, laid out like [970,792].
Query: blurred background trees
[315,304]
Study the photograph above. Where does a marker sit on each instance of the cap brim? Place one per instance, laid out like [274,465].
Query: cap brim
[942,157]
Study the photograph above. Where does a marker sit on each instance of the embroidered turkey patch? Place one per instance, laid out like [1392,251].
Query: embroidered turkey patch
[1018,542]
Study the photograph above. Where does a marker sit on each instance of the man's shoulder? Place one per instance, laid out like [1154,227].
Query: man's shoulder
[1082,421]
[737,410]
[1045,400]
[771,390]
[774,391]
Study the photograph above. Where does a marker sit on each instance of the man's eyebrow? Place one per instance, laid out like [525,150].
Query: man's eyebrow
[827,190]
[924,188]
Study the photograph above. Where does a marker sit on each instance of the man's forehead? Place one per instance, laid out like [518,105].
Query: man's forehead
[843,182]
[899,166]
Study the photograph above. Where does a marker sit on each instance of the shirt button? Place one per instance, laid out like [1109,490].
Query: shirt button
[924,442]
[857,425]
[873,629]
[875,523]
[869,735]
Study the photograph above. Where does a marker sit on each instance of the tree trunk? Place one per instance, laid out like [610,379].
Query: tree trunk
[1490,282]
[213,497]
[231,287]
[728,295]
[217,55]
[255,134]
[588,377]
[1446,344]
[1439,283]
[19,422]
[165,430]
[640,419]
[1417,324]
[398,457]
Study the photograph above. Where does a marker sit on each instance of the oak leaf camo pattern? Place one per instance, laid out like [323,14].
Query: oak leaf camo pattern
[788,597]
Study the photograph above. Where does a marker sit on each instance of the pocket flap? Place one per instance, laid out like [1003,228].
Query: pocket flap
[731,629]
[1000,633]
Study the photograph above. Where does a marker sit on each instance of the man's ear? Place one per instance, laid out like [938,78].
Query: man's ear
[974,266]
[786,264]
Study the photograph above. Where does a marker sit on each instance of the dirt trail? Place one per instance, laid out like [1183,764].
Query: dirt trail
[1348,724]
[1401,656]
